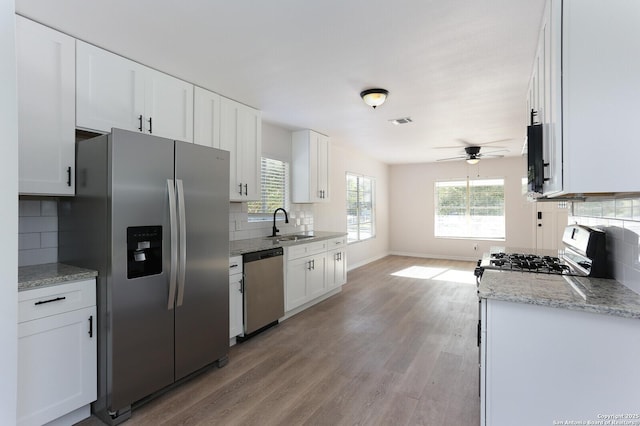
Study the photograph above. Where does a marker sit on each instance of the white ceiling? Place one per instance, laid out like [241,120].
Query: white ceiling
[458,68]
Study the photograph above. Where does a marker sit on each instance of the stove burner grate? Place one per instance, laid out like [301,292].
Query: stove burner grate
[529,263]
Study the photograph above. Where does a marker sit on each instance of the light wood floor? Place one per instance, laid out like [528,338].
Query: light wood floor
[387,350]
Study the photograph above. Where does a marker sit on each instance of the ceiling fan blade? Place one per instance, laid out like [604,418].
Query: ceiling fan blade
[449,147]
[490,156]
[460,157]
[493,152]
[467,143]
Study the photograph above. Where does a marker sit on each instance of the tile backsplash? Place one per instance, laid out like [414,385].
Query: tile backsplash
[620,219]
[38,227]
[300,220]
[37,231]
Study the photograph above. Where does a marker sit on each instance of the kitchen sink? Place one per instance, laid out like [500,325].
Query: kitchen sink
[290,237]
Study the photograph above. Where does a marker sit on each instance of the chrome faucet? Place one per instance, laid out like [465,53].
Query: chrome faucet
[286,220]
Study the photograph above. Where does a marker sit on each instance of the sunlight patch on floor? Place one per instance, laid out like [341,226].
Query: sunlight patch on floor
[441,274]
[419,272]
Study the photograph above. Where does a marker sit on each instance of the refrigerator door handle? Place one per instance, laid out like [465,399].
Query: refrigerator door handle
[173,271]
[183,242]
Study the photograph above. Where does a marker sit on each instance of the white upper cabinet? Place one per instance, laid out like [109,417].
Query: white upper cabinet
[241,135]
[592,81]
[206,118]
[46,109]
[113,91]
[310,167]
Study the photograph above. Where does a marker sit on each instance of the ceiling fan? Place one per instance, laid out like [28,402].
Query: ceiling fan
[473,155]
[472,151]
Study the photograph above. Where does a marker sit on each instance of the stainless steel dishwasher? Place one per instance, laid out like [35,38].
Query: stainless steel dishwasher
[263,290]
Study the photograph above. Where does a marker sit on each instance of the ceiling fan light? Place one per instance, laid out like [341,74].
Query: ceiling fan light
[374,97]
[473,160]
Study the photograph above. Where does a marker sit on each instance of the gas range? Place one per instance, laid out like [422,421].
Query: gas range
[527,262]
[584,254]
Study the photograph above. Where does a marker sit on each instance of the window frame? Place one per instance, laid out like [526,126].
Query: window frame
[372,222]
[468,217]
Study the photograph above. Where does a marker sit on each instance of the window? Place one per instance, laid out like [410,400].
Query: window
[360,207]
[275,190]
[472,208]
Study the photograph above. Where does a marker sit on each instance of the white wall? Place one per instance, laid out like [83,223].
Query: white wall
[412,208]
[332,216]
[8,215]
[276,142]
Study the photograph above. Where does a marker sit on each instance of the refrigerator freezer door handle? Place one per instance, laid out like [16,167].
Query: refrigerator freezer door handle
[173,272]
[183,242]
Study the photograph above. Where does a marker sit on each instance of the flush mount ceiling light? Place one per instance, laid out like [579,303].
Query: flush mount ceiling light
[374,97]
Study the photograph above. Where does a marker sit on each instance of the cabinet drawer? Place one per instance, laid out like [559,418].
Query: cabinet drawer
[53,300]
[235,265]
[335,243]
[294,252]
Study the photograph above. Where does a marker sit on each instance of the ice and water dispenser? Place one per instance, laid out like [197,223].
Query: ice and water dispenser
[144,251]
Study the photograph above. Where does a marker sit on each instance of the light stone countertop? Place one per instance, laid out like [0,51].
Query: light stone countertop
[30,277]
[596,295]
[249,245]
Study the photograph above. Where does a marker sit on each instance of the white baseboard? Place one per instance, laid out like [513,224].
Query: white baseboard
[72,417]
[436,256]
[366,261]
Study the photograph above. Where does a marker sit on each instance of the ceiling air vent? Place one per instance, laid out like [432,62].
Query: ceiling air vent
[403,120]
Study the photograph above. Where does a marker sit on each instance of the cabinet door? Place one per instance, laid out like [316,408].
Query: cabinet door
[57,370]
[336,269]
[228,141]
[46,109]
[322,165]
[295,283]
[553,129]
[241,135]
[235,305]
[316,277]
[310,167]
[206,118]
[249,151]
[110,90]
[168,107]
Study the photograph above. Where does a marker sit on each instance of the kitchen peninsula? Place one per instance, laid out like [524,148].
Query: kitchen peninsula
[556,348]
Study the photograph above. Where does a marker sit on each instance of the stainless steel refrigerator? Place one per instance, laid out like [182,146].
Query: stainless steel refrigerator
[151,215]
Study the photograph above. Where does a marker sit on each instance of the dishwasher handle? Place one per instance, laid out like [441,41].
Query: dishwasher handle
[263,254]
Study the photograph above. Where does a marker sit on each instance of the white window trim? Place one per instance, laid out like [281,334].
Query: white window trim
[373,209]
[468,180]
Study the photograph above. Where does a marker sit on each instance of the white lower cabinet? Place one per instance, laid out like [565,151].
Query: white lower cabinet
[312,271]
[336,263]
[305,280]
[57,352]
[235,296]
[542,365]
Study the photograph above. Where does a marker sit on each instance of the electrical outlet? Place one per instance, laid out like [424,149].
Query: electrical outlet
[475,246]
